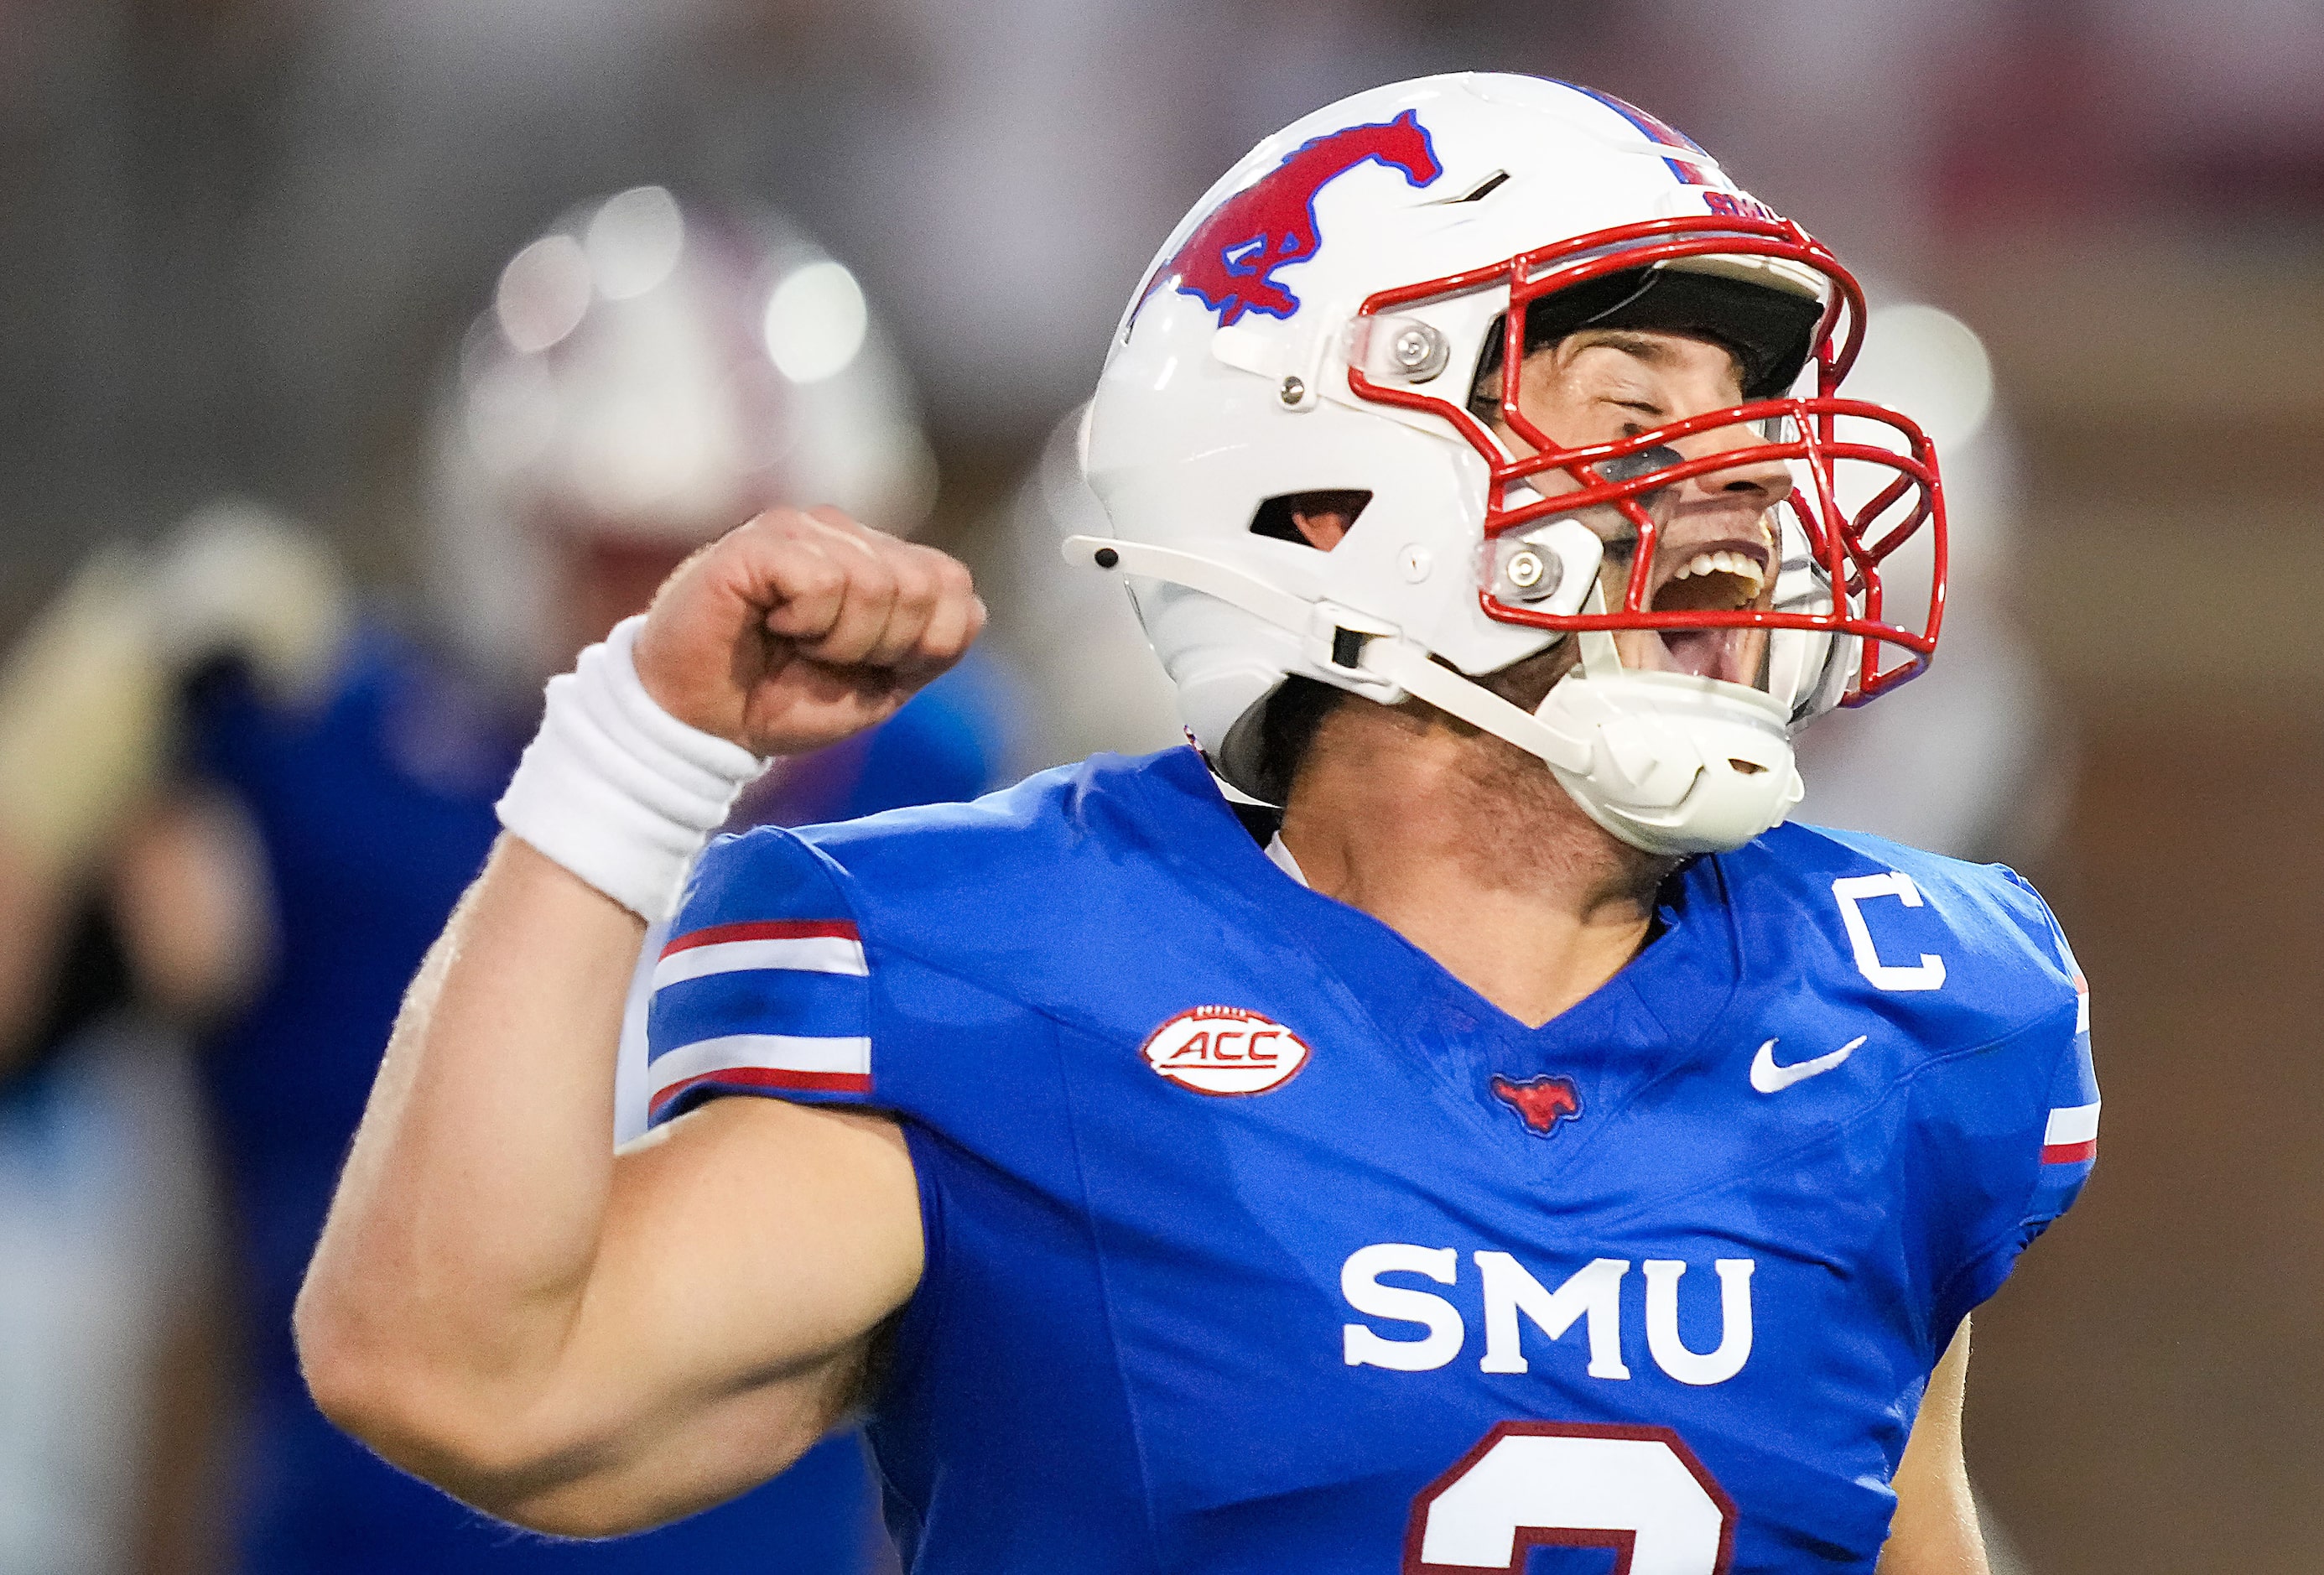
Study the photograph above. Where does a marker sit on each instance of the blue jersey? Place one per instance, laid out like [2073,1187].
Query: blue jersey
[375,811]
[1256,1241]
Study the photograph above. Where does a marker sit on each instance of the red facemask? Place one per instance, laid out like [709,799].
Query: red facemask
[1866,485]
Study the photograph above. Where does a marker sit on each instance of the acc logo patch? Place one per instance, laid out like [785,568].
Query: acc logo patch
[1224,1050]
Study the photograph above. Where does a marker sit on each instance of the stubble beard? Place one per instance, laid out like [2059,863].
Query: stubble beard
[1518,822]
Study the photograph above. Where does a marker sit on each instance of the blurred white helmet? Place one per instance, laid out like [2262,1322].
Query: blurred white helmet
[1347,312]
[1974,761]
[650,374]
[1072,636]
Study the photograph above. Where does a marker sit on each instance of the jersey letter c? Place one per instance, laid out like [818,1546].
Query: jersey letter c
[1852,891]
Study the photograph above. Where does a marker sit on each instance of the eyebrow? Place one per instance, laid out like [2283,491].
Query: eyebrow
[1649,348]
[1653,351]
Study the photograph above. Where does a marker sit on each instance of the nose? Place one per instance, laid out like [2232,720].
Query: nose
[1766,482]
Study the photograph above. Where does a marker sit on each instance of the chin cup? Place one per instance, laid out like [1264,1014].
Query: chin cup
[1677,764]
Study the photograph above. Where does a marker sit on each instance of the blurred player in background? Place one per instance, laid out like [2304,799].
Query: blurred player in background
[1072,636]
[1973,758]
[648,375]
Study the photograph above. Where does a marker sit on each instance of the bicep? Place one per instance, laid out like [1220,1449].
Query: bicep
[1935,1529]
[751,1248]
[775,1233]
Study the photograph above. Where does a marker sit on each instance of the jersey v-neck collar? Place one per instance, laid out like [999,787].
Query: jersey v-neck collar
[1657,1008]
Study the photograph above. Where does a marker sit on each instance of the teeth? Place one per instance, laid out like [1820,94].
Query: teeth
[1724,563]
[1744,571]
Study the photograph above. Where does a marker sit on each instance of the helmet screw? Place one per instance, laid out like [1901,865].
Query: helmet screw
[1293,391]
[1416,561]
[1525,569]
[1418,351]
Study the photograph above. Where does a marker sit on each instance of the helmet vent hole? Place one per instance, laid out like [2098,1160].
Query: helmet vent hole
[1746,767]
[1485,187]
[1320,520]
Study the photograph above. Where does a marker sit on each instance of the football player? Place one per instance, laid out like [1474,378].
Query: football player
[647,373]
[1523,1151]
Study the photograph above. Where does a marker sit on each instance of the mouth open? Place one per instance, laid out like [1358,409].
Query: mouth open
[1719,576]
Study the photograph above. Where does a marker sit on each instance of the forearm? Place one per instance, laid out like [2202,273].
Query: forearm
[1935,1529]
[35,903]
[84,720]
[460,1244]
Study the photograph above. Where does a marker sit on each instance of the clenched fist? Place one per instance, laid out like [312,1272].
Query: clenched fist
[800,628]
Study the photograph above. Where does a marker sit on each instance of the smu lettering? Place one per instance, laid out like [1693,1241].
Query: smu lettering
[1513,1298]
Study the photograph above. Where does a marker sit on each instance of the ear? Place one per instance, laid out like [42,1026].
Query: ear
[1320,518]
[1323,529]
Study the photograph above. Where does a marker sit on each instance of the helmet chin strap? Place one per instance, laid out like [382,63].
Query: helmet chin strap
[1668,762]
[1372,656]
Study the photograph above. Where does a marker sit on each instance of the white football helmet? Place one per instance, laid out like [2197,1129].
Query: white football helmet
[1321,321]
[651,373]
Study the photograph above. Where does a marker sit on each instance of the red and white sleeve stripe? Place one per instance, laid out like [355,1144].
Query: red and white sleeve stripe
[806,945]
[810,1063]
[2073,1135]
[796,949]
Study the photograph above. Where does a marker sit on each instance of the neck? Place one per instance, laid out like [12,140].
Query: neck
[1467,847]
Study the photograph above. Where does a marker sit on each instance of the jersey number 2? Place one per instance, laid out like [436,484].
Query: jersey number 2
[1639,1490]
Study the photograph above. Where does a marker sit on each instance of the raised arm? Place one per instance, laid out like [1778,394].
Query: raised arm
[588,1344]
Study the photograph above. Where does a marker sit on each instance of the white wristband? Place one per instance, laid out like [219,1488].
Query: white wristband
[617,789]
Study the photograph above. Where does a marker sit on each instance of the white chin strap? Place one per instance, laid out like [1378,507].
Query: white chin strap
[1668,762]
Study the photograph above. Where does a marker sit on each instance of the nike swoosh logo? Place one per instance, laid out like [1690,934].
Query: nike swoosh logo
[1769,1078]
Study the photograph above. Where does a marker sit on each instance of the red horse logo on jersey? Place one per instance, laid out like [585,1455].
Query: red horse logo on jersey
[1541,1103]
[1231,260]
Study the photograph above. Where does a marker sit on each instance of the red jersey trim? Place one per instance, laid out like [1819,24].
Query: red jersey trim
[762,930]
[855,1083]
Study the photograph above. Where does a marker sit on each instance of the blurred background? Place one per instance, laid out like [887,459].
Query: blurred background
[243,243]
